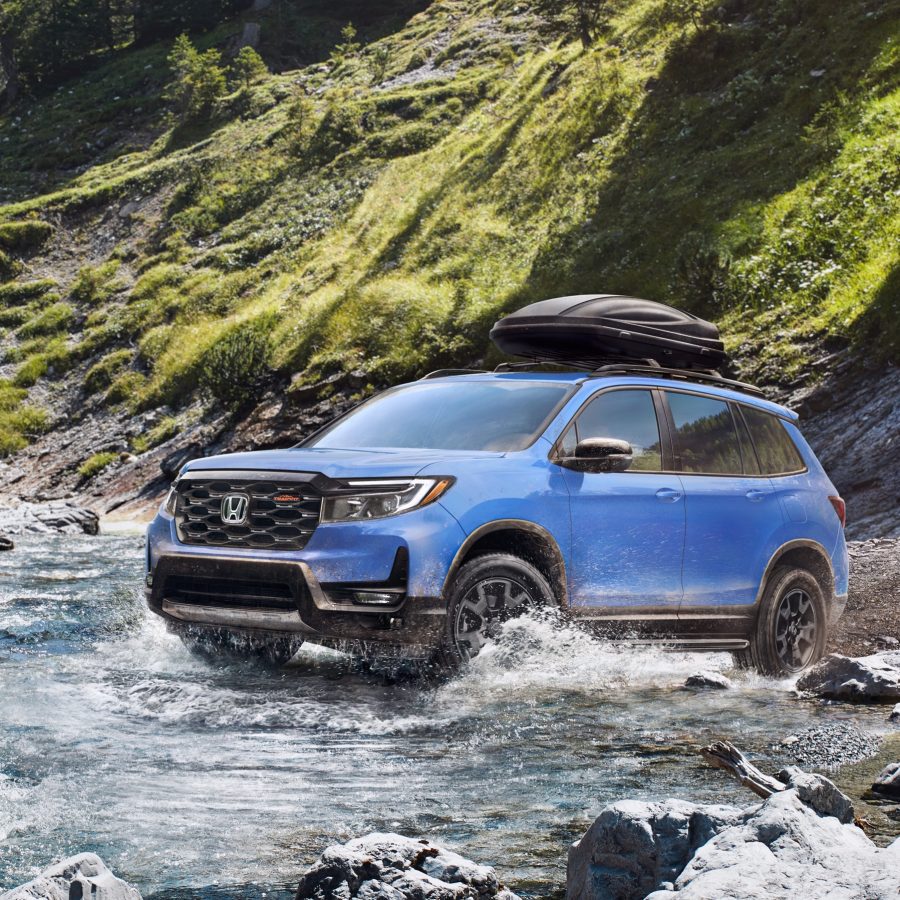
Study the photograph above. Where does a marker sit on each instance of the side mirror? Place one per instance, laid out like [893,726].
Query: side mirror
[600,455]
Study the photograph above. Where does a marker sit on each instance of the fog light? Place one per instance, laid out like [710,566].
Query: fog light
[375,598]
[149,579]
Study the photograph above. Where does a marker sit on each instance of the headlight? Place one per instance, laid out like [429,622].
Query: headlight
[376,499]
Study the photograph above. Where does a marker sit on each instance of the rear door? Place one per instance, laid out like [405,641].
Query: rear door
[731,508]
[627,527]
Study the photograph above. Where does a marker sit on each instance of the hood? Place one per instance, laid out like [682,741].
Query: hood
[334,463]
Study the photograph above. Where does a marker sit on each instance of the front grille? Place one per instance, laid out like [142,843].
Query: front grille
[204,591]
[281,514]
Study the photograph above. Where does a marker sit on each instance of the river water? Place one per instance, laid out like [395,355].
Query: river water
[222,780]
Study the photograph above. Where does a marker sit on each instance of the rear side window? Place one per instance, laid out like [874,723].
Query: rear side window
[626,416]
[776,451]
[706,440]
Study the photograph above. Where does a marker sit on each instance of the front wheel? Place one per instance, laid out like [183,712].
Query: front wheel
[488,591]
[791,626]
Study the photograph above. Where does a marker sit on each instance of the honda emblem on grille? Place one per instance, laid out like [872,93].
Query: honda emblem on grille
[234,509]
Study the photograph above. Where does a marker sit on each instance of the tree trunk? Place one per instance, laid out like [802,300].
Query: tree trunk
[584,26]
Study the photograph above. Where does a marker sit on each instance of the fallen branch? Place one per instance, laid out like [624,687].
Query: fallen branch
[724,755]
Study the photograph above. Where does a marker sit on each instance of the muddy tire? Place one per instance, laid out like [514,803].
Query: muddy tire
[488,591]
[218,644]
[791,626]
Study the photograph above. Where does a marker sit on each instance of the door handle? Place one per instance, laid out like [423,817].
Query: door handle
[755,496]
[668,495]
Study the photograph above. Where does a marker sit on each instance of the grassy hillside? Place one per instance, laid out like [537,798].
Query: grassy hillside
[377,212]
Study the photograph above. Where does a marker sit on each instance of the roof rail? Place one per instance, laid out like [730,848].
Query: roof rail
[657,371]
[441,373]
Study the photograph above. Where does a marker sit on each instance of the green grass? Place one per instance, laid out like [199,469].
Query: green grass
[19,422]
[25,235]
[163,431]
[95,464]
[384,228]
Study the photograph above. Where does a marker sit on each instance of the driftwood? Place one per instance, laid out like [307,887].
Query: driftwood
[724,755]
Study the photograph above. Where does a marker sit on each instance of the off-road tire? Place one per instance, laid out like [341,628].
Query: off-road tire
[791,627]
[509,587]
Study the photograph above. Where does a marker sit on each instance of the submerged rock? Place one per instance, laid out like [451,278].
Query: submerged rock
[874,678]
[44,518]
[707,679]
[386,866]
[634,847]
[6,543]
[888,782]
[82,876]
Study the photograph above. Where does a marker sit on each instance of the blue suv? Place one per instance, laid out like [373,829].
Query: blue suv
[663,506]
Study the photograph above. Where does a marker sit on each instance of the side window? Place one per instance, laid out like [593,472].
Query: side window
[776,451]
[706,440]
[627,416]
[748,452]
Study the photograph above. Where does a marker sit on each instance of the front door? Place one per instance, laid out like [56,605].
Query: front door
[627,527]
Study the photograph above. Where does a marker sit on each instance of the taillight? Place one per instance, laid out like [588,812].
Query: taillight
[840,508]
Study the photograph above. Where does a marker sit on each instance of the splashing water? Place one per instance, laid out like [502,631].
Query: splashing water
[186,775]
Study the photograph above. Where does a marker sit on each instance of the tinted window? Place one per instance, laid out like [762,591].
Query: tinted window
[457,415]
[748,452]
[776,451]
[626,416]
[705,437]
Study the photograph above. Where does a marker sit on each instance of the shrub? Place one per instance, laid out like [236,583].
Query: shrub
[248,68]
[95,464]
[199,79]
[25,235]
[703,276]
[52,320]
[102,374]
[95,284]
[159,434]
[379,61]
[19,292]
[301,121]
[233,368]
[349,46]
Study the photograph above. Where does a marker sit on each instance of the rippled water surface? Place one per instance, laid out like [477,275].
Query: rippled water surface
[223,780]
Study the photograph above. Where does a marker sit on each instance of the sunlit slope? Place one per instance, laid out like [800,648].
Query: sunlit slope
[743,165]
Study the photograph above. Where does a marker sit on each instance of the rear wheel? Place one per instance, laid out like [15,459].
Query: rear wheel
[791,626]
[489,591]
[214,644]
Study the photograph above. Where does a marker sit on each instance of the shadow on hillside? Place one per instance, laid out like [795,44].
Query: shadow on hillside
[735,118]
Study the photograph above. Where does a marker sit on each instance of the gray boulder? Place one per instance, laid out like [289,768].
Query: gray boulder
[634,847]
[895,714]
[874,678]
[818,793]
[386,866]
[708,679]
[82,876]
[888,782]
[44,518]
[785,849]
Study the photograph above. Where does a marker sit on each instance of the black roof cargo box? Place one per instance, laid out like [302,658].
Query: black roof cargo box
[593,329]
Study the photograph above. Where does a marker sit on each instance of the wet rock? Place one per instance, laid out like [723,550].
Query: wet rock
[707,679]
[6,543]
[385,866]
[895,714]
[44,518]
[81,876]
[830,746]
[888,782]
[783,849]
[874,678]
[634,847]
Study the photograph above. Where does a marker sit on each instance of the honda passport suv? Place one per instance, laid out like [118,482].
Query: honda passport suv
[663,505]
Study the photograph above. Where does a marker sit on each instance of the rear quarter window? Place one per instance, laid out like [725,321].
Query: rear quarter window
[774,448]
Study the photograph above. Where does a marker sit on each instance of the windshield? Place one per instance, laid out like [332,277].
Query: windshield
[459,415]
